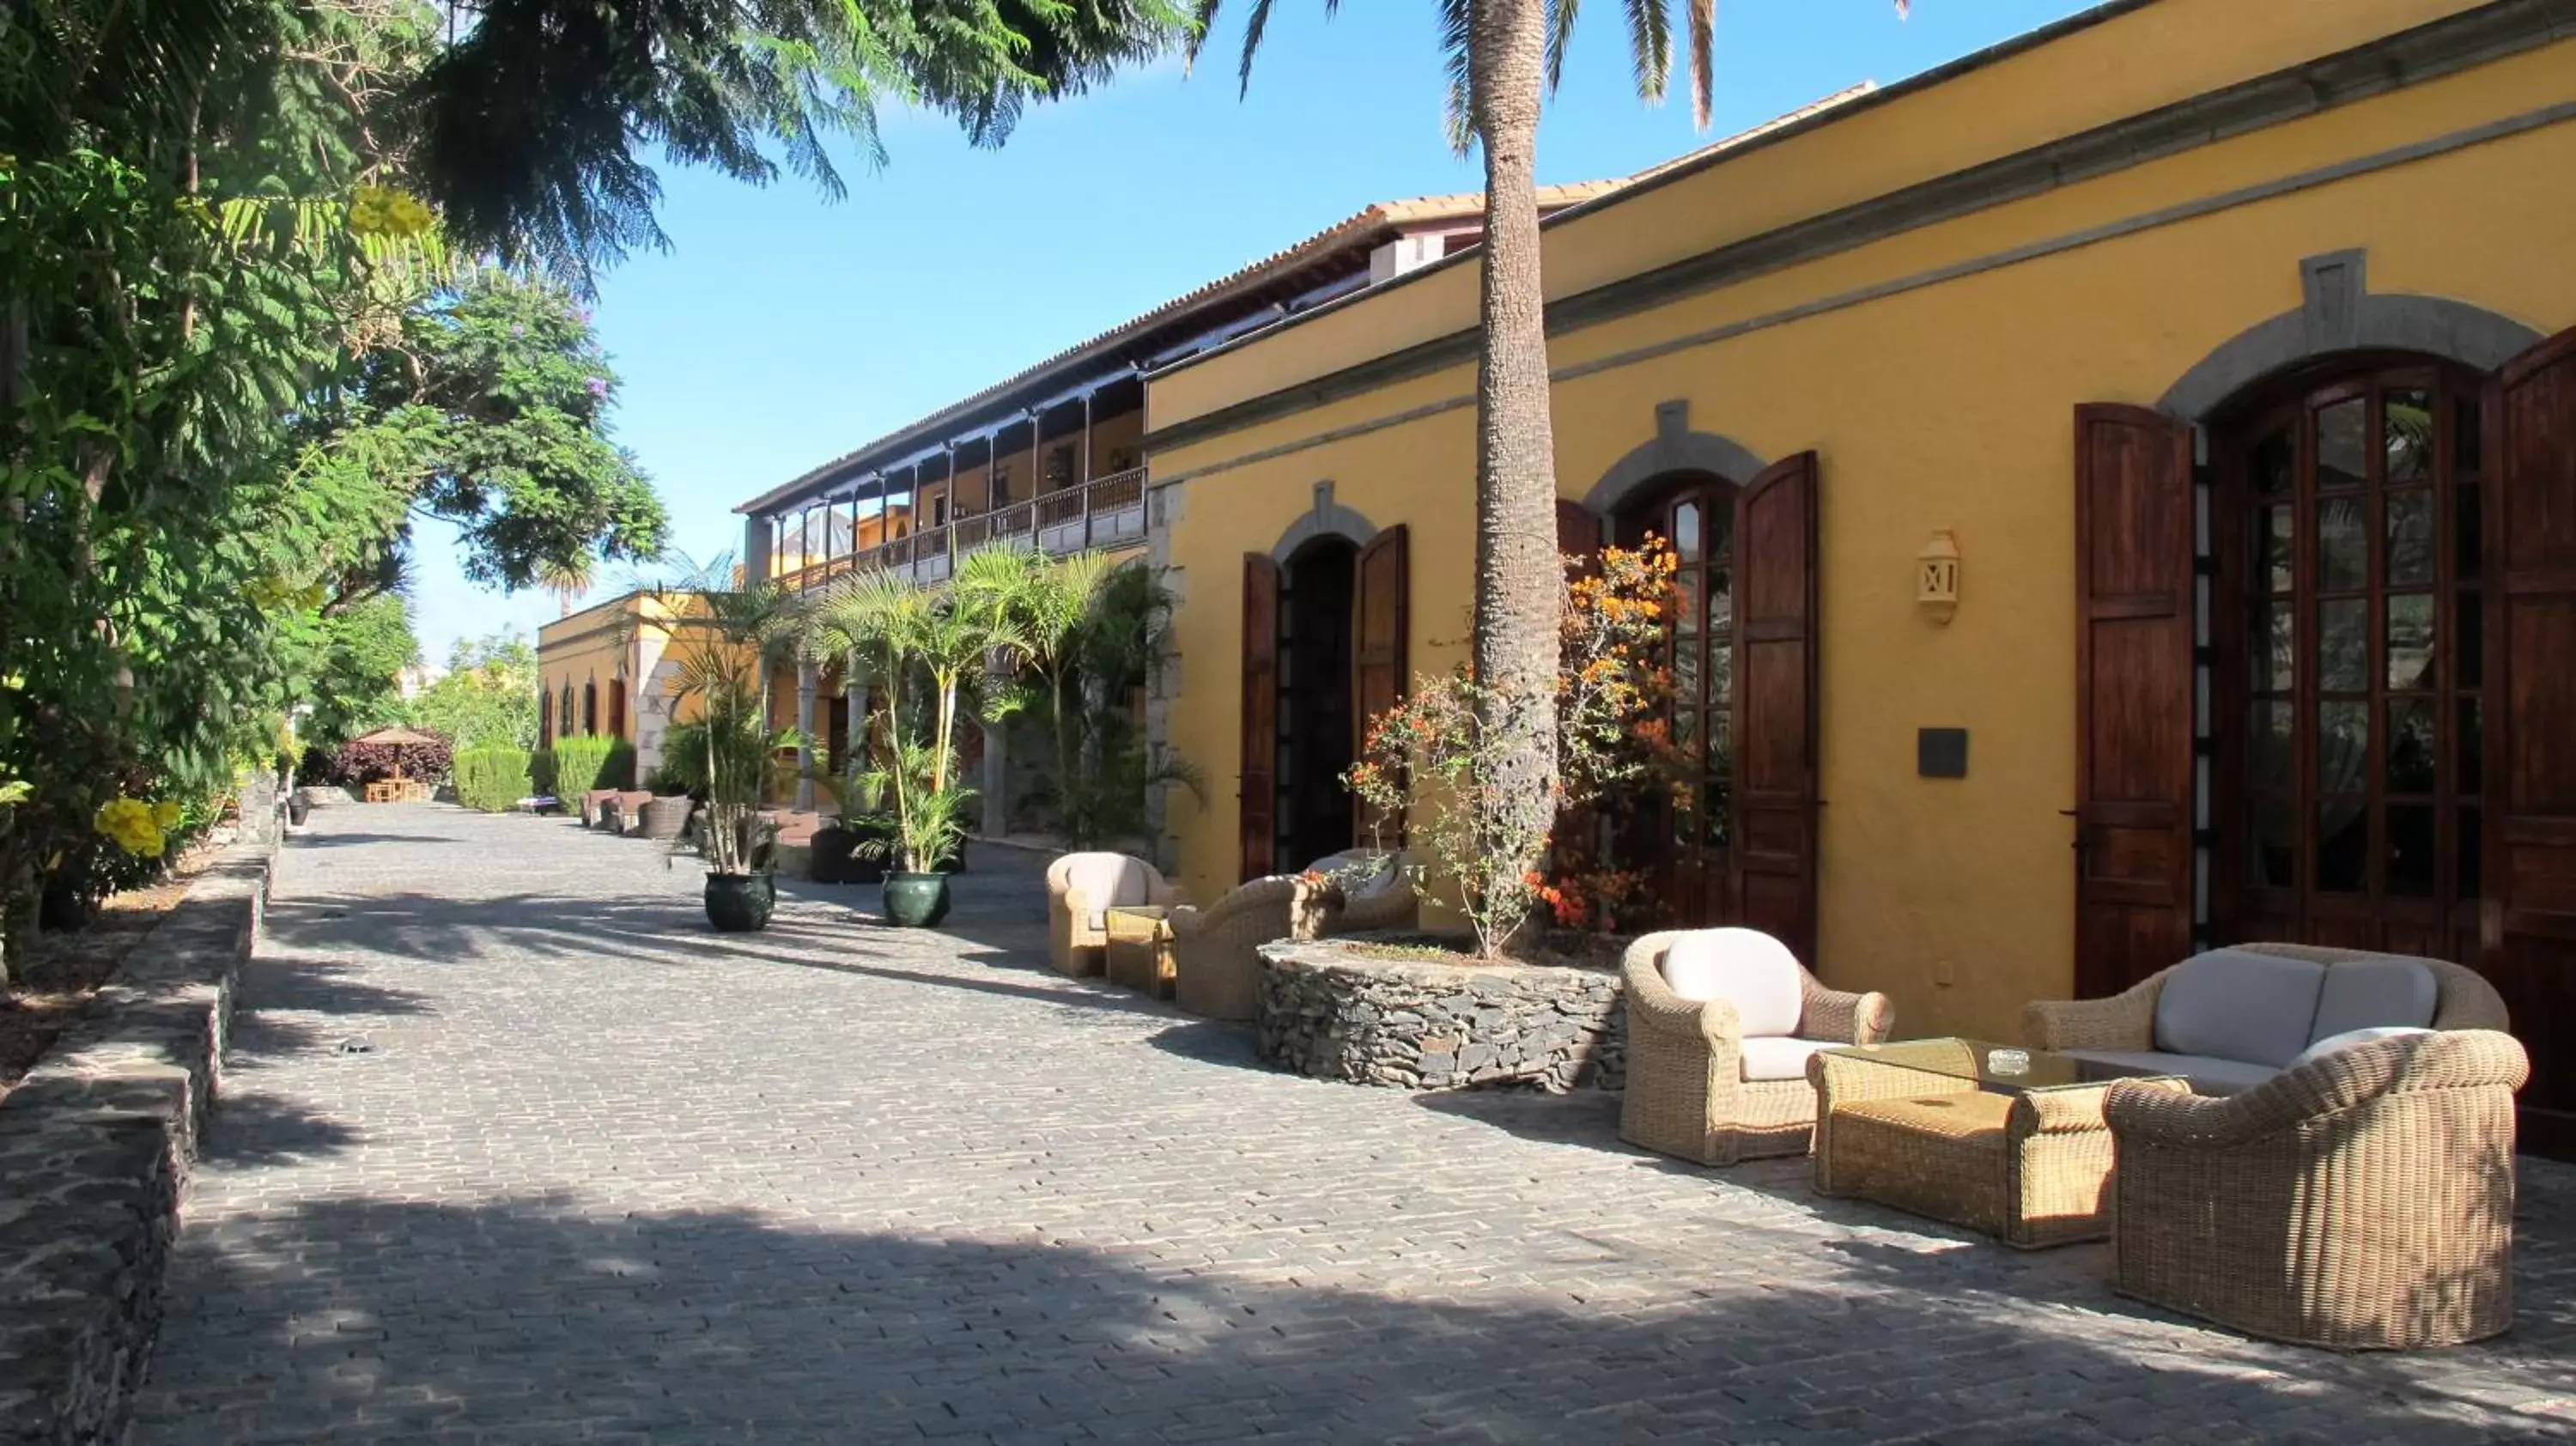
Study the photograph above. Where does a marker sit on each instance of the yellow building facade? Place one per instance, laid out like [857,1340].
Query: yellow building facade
[2182,321]
[604,671]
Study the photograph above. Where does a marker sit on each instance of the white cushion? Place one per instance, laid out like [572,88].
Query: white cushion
[2239,1004]
[2208,1075]
[1774,1057]
[2335,1043]
[1106,881]
[1745,967]
[1366,873]
[2374,993]
[1099,921]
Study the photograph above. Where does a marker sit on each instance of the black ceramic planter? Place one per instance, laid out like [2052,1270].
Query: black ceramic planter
[740,903]
[916,901]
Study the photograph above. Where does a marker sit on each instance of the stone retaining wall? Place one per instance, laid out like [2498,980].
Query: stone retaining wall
[94,1147]
[1325,1010]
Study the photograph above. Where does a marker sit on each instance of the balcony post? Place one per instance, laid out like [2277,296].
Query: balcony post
[808,678]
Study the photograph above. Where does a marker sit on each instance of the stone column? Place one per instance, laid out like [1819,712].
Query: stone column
[808,678]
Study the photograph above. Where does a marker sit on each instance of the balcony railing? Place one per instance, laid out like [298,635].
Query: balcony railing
[1106,512]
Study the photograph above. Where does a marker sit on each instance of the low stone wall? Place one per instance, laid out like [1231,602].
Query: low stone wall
[94,1147]
[1325,1010]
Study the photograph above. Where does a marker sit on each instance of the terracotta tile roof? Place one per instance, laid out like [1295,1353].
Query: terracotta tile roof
[1371,227]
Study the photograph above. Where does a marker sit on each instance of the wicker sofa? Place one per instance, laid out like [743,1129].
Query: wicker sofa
[2363,1200]
[1081,890]
[2231,1018]
[1721,1079]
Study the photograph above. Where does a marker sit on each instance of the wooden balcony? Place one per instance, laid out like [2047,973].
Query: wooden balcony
[1106,513]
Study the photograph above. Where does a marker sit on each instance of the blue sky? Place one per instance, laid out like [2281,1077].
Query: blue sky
[781,329]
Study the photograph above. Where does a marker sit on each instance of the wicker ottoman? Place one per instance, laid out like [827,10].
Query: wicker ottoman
[1139,953]
[1926,1127]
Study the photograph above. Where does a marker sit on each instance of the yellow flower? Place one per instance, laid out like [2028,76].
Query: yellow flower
[128,822]
[165,815]
[383,211]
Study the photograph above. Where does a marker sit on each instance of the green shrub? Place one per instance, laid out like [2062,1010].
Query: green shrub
[591,761]
[492,779]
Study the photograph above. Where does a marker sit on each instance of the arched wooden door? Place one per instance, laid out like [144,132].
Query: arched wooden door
[1736,842]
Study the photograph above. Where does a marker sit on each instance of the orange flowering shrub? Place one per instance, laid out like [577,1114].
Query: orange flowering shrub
[1429,756]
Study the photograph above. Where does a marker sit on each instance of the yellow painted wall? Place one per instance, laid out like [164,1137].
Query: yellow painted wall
[1945,406]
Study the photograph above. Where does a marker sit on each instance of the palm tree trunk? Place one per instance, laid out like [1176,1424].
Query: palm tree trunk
[1518,607]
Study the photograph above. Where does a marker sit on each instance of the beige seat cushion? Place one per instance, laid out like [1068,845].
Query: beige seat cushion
[1777,1057]
[1745,967]
[1106,881]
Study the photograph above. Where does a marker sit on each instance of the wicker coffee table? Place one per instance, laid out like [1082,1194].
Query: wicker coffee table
[1140,948]
[1998,1139]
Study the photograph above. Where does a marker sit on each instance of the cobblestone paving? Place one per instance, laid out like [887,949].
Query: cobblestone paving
[603,1176]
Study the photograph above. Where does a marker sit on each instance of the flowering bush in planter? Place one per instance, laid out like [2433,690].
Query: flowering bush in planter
[1429,760]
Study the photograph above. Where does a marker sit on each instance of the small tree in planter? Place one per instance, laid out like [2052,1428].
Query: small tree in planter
[1427,759]
[718,628]
[924,649]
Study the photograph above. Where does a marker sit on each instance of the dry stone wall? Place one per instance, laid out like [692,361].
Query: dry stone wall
[1327,1010]
[94,1147]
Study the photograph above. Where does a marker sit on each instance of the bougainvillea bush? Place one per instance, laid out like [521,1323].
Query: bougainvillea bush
[1421,758]
[358,763]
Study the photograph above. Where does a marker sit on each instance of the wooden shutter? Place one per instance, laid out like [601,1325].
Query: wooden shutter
[2528,918]
[1578,532]
[1771,854]
[1258,797]
[1381,622]
[2133,695]
[617,707]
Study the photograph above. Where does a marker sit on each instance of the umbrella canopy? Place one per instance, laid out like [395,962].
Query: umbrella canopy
[399,735]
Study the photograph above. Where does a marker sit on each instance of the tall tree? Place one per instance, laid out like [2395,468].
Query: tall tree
[1503,57]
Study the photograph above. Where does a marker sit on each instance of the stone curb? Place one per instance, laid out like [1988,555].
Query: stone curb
[95,1145]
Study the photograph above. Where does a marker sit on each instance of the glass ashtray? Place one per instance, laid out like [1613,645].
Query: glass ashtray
[2008,1061]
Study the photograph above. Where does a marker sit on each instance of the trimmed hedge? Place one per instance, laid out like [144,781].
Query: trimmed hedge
[492,779]
[578,765]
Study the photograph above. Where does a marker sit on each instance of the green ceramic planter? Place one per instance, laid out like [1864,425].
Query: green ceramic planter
[916,901]
[740,903]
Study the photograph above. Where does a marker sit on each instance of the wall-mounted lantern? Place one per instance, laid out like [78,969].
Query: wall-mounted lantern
[1936,577]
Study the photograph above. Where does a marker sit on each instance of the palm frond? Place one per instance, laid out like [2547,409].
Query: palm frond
[1650,47]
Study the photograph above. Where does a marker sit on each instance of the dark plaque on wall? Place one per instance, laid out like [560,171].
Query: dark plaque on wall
[1941,752]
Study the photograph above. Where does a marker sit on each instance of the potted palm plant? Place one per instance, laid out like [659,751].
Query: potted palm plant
[924,648]
[717,628]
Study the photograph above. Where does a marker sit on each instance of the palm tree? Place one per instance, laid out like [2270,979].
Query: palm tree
[1503,57]
[567,578]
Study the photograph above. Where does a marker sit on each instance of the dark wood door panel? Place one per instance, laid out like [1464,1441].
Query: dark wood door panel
[1258,794]
[1773,788]
[2531,736]
[2133,547]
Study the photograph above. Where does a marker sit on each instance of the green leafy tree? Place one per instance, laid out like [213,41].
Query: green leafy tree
[487,698]
[491,411]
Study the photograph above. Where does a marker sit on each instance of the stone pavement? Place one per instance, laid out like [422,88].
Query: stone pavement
[516,1151]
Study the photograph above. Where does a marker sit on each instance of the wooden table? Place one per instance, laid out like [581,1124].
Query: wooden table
[1999,1139]
[1140,948]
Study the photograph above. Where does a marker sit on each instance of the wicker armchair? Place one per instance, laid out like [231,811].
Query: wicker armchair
[1215,963]
[1389,905]
[1081,890]
[2362,1201]
[1687,1092]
